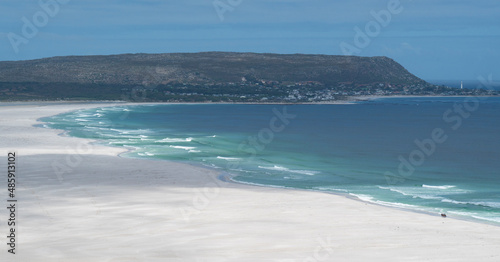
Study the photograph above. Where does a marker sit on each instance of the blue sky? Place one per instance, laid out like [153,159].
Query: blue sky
[445,39]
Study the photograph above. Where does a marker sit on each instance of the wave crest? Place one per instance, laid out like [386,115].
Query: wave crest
[439,187]
[284,169]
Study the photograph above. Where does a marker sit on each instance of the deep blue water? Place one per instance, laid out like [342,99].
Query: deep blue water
[368,149]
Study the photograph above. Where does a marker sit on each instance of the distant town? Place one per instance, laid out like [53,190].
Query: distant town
[247,91]
[298,92]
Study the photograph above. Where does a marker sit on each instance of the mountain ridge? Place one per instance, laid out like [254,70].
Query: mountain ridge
[109,76]
[205,66]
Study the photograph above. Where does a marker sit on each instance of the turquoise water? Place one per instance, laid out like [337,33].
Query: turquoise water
[368,149]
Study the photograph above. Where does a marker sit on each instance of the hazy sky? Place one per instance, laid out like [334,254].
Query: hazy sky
[434,39]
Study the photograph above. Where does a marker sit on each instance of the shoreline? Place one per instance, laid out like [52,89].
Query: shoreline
[348,101]
[232,196]
[353,197]
[346,195]
[125,150]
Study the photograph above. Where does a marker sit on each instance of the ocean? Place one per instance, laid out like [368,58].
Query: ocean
[438,155]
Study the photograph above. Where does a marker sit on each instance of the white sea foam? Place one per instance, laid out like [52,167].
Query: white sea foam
[119,142]
[184,147]
[280,168]
[438,187]
[82,115]
[113,129]
[475,203]
[322,188]
[467,214]
[475,215]
[174,140]
[129,131]
[395,190]
[428,197]
[446,200]
[118,136]
[110,109]
[366,198]
[305,172]
[144,138]
[370,199]
[194,151]
[489,204]
[407,191]
[492,219]
[228,158]
[428,192]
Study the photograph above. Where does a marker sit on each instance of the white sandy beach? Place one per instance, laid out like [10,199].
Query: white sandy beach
[107,208]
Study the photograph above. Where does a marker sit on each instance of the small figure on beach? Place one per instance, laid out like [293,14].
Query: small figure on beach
[443,215]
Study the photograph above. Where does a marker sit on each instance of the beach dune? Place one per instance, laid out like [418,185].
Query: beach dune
[78,201]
